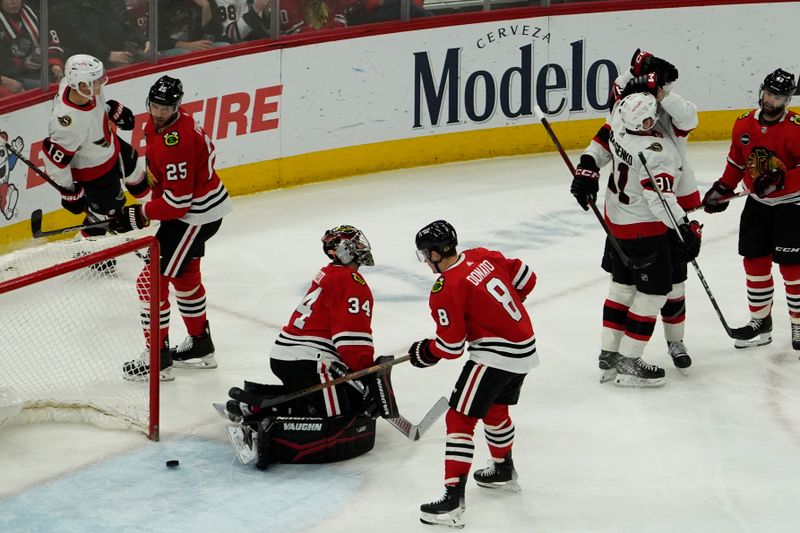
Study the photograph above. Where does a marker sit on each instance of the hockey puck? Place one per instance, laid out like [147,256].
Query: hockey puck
[173,463]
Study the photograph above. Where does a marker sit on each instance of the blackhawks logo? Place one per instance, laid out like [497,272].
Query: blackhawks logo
[762,160]
[171,138]
[358,279]
[438,286]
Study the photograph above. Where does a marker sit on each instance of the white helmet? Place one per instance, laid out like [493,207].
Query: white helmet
[635,108]
[83,68]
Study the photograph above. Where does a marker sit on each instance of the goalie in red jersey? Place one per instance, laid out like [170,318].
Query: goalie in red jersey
[190,200]
[477,305]
[765,154]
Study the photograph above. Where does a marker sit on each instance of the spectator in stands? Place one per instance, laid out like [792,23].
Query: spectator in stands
[22,56]
[244,20]
[301,16]
[188,26]
[370,11]
[8,85]
[107,38]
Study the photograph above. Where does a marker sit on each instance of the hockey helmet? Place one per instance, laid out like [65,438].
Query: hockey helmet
[635,108]
[83,68]
[438,236]
[166,91]
[348,244]
[779,83]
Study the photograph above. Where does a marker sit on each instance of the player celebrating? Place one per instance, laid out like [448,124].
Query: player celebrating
[190,200]
[765,154]
[677,118]
[82,152]
[477,299]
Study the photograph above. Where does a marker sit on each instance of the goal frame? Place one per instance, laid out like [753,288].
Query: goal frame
[148,242]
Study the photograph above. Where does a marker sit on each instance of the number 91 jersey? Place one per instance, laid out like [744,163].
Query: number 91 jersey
[333,321]
[479,300]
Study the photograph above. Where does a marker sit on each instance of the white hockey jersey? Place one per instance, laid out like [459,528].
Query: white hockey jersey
[238,19]
[81,145]
[632,207]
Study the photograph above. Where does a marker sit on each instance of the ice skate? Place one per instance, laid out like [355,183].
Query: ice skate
[796,336]
[245,443]
[757,332]
[498,475]
[195,352]
[139,369]
[607,361]
[680,356]
[635,372]
[447,510]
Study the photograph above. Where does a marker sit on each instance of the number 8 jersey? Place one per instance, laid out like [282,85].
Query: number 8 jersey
[478,300]
[332,322]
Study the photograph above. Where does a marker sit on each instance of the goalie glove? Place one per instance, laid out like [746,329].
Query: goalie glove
[74,201]
[130,218]
[716,198]
[420,354]
[120,115]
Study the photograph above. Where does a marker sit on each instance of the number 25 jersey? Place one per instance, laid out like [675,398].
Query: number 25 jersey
[478,301]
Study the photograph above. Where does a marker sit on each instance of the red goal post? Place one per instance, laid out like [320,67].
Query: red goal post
[71,319]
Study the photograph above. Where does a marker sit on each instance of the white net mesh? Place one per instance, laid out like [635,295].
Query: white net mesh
[63,341]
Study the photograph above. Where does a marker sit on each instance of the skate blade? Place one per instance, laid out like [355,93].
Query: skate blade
[244,453]
[505,486]
[762,340]
[454,519]
[200,363]
[607,375]
[624,380]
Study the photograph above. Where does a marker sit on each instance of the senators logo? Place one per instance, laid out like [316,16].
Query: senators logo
[656,147]
[65,121]
[358,279]
[438,286]
[171,138]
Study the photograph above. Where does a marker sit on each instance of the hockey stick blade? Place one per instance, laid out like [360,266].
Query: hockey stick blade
[37,232]
[415,431]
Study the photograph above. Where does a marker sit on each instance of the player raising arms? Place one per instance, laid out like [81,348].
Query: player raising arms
[476,300]
[190,200]
[765,154]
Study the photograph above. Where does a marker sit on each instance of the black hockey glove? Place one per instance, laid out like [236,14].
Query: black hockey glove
[641,62]
[421,356]
[692,233]
[667,72]
[585,183]
[716,198]
[120,115]
[769,182]
[74,201]
[646,83]
[130,218]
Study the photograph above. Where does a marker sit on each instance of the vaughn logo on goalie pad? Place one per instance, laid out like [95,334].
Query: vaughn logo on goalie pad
[301,426]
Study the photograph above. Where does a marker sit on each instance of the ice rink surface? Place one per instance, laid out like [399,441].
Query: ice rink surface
[716,451]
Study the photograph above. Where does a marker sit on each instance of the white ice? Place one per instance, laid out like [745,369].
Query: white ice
[716,451]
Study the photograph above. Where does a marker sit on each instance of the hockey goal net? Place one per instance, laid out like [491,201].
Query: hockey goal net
[71,318]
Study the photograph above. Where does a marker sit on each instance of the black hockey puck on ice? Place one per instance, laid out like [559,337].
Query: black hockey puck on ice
[173,463]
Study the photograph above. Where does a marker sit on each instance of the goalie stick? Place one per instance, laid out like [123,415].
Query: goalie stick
[633,263]
[251,399]
[37,232]
[412,431]
[674,222]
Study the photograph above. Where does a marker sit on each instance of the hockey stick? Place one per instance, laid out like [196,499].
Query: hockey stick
[38,170]
[739,194]
[636,263]
[415,431]
[251,399]
[683,241]
[37,232]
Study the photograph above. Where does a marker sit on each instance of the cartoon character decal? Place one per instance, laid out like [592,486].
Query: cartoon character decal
[9,194]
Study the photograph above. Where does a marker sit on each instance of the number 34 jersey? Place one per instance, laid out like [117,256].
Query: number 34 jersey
[333,321]
[180,167]
[478,301]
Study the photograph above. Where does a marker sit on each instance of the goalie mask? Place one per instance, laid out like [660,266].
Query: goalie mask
[439,236]
[782,86]
[635,109]
[84,69]
[349,245]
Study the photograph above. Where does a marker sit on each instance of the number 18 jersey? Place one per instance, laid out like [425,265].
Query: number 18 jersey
[478,301]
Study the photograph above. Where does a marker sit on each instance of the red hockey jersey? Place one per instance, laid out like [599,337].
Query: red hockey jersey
[781,138]
[180,167]
[333,321]
[479,300]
